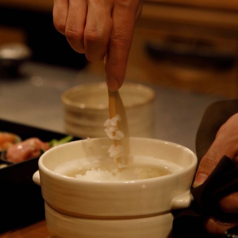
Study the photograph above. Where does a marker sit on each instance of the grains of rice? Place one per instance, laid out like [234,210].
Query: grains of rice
[127,174]
[112,131]
[111,128]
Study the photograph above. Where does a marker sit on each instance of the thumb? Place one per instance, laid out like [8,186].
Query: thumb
[208,163]
[225,143]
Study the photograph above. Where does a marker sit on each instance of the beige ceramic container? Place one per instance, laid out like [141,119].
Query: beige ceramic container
[120,209]
[86,109]
[65,226]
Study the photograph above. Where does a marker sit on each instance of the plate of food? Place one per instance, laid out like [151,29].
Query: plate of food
[21,198]
[30,148]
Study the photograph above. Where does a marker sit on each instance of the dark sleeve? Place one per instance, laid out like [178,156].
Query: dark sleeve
[215,115]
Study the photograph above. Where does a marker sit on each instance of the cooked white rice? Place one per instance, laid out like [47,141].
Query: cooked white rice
[126,174]
[105,169]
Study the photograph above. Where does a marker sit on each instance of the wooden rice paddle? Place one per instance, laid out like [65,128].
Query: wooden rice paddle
[116,107]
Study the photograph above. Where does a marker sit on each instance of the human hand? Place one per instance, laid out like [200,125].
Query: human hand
[225,143]
[100,28]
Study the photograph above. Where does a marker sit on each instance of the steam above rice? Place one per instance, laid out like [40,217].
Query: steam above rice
[113,167]
[101,167]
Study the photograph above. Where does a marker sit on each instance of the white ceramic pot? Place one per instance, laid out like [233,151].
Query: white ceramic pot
[86,109]
[85,200]
[64,226]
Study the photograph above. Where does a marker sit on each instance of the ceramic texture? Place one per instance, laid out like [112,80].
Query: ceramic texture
[63,226]
[116,199]
[86,109]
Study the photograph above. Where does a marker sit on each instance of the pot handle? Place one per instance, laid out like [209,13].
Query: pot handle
[36,177]
[182,201]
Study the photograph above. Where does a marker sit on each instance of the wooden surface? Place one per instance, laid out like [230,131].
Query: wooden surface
[222,19]
[41,5]
[219,4]
[37,230]
[11,35]
[47,4]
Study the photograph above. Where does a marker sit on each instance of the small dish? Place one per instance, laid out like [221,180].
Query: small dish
[2,165]
[12,56]
[21,197]
[28,149]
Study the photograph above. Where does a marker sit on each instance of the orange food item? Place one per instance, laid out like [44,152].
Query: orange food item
[6,140]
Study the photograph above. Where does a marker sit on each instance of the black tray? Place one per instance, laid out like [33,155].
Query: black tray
[21,202]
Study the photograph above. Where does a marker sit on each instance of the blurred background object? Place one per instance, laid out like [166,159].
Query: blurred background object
[185,44]
[189,45]
[30,22]
[86,109]
[185,49]
[11,58]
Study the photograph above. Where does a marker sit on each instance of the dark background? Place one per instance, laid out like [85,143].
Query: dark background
[47,44]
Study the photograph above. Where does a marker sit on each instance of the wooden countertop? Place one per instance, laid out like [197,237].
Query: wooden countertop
[38,230]
[225,18]
[220,4]
[48,4]
[41,5]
